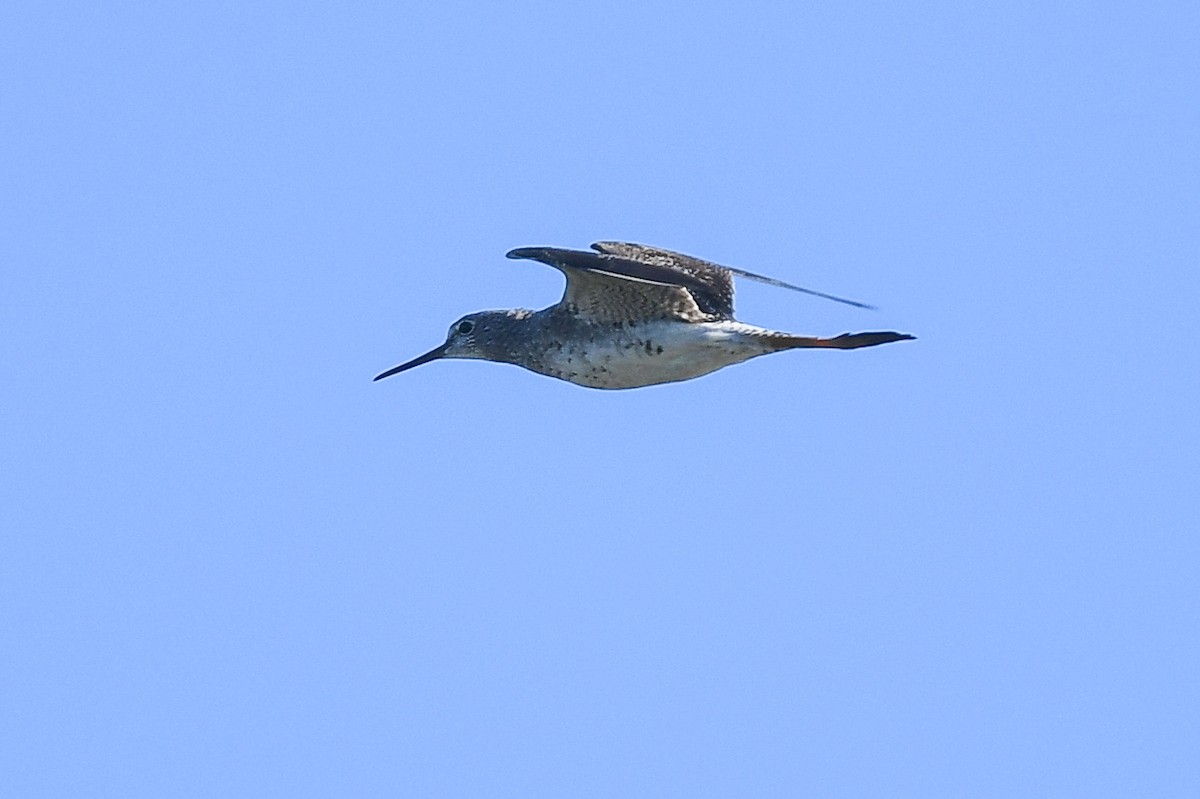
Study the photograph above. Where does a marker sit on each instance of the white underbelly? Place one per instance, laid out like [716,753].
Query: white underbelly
[655,353]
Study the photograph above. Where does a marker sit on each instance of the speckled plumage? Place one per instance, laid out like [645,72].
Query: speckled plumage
[631,316]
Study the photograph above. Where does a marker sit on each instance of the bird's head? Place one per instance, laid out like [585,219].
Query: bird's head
[476,335]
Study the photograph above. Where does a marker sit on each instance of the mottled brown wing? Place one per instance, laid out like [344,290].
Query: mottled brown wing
[710,284]
[717,278]
[613,289]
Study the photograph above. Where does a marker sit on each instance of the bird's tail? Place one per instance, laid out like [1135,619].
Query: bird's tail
[846,341]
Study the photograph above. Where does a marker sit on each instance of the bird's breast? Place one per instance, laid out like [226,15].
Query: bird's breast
[648,354]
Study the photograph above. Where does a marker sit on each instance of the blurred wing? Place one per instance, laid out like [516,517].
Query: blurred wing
[711,285]
[718,278]
[613,289]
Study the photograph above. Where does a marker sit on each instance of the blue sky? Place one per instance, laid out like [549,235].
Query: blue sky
[234,566]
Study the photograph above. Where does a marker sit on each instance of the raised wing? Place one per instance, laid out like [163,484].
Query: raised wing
[610,288]
[711,285]
[625,281]
[718,278]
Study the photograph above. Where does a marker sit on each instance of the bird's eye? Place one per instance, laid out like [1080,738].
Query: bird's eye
[465,327]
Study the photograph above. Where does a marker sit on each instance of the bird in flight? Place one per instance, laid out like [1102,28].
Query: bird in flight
[631,316]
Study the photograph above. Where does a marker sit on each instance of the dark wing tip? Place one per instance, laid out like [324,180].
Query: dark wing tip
[557,257]
[525,252]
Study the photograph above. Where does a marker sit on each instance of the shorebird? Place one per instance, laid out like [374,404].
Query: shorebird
[631,316]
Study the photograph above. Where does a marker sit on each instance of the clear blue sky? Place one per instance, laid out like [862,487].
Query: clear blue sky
[234,566]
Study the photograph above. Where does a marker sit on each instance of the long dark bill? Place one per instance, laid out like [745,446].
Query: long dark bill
[432,355]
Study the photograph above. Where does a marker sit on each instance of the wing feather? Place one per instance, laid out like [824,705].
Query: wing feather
[614,289]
